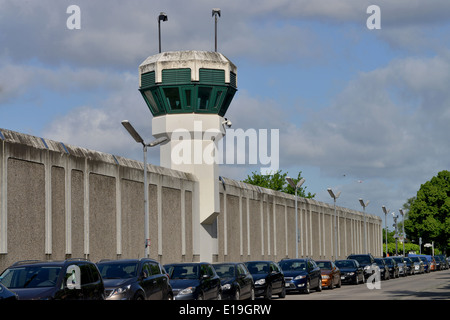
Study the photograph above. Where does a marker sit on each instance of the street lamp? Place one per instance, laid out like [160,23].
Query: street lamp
[396,235]
[403,230]
[364,205]
[136,136]
[334,196]
[296,187]
[386,211]
[162,17]
[215,14]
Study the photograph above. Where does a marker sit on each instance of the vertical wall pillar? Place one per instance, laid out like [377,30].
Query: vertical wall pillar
[3,197]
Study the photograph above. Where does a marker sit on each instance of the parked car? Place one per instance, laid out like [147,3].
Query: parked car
[301,275]
[440,262]
[194,281]
[384,268]
[445,261]
[6,294]
[367,261]
[268,278]
[418,265]
[331,275]
[135,279]
[402,268]
[72,279]
[409,265]
[394,271]
[351,271]
[426,264]
[237,282]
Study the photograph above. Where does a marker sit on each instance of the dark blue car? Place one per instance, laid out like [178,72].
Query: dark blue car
[301,275]
[194,281]
[268,278]
[351,271]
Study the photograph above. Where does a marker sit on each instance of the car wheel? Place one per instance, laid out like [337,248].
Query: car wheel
[252,294]
[339,283]
[268,294]
[200,297]
[308,287]
[139,296]
[282,293]
[219,296]
[319,285]
[237,295]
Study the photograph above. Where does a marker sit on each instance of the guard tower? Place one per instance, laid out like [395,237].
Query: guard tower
[188,94]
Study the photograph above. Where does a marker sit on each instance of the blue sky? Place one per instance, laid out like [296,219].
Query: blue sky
[362,111]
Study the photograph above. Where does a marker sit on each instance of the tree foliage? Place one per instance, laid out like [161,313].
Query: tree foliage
[277,181]
[429,212]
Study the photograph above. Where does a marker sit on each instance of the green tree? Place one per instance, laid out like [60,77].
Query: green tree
[277,181]
[429,212]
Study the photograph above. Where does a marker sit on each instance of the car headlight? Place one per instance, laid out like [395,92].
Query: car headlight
[351,273]
[226,286]
[299,277]
[187,290]
[260,282]
[325,276]
[366,268]
[122,290]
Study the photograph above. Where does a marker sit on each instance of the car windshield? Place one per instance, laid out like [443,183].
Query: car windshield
[345,264]
[324,265]
[362,259]
[258,267]
[295,265]
[379,262]
[224,270]
[415,259]
[398,259]
[118,270]
[30,277]
[183,271]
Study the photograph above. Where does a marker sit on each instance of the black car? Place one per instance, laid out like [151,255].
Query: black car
[268,278]
[135,279]
[194,281]
[351,271]
[384,268]
[393,267]
[367,261]
[301,275]
[409,265]
[237,282]
[72,279]
[6,294]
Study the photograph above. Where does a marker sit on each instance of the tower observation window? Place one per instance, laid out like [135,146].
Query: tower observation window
[203,98]
[173,98]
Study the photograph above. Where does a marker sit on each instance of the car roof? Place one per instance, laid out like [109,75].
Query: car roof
[125,260]
[40,263]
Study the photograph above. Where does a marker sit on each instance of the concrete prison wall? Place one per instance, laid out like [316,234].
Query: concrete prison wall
[59,201]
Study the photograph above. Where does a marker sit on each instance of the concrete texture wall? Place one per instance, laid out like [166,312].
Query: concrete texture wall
[59,201]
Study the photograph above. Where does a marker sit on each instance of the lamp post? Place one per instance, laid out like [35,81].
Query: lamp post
[215,14]
[162,17]
[334,196]
[154,143]
[296,187]
[396,234]
[364,205]
[403,230]
[385,224]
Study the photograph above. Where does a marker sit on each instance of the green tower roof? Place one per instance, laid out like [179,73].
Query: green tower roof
[187,82]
